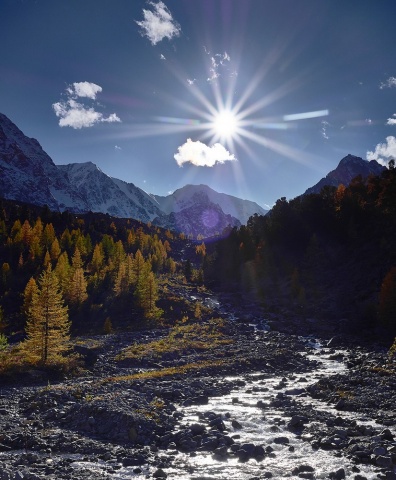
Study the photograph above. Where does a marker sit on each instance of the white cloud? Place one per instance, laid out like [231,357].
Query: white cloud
[191,81]
[116,147]
[389,83]
[77,115]
[84,89]
[158,23]
[387,150]
[201,155]
[162,57]
[391,121]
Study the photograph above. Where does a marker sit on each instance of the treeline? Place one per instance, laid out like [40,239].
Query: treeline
[331,254]
[106,270]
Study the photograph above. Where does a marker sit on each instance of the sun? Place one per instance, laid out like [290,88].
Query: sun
[225,124]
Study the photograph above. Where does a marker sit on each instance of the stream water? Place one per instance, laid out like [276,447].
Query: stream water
[262,426]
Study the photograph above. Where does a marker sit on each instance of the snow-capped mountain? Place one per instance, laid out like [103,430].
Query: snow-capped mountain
[191,195]
[29,175]
[105,194]
[348,168]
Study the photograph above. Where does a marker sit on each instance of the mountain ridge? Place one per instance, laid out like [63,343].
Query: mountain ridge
[347,169]
[28,174]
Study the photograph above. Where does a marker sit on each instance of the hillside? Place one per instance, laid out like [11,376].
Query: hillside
[328,256]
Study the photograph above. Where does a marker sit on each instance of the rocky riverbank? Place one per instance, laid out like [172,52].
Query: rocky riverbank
[129,419]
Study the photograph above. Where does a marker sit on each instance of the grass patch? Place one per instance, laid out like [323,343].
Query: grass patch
[165,372]
[181,339]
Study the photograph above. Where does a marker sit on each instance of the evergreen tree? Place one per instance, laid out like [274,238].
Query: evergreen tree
[62,271]
[55,250]
[77,293]
[30,291]
[97,259]
[48,323]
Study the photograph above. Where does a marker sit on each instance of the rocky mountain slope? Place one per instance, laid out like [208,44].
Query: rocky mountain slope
[28,174]
[348,168]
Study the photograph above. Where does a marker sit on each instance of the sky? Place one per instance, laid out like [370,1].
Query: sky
[256,98]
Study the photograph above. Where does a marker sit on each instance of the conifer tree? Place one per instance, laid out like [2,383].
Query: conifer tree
[47,259]
[121,281]
[77,291]
[62,271]
[30,291]
[138,265]
[97,259]
[146,292]
[55,250]
[48,323]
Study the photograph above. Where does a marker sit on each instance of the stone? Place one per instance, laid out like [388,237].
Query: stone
[338,475]
[281,440]
[236,424]
[197,428]
[160,474]
[297,421]
[384,462]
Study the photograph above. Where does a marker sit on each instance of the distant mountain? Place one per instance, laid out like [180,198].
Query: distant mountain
[28,174]
[202,218]
[348,168]
[191,195]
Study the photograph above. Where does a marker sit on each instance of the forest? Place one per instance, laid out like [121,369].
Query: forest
[329,255]
[64,274]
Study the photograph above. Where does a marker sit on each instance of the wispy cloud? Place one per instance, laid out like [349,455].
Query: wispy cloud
[217,61]
[389,83]
[158,23]
[384,151]
[74,114]
[116,147]
[191,81]
[324,129]
[201,155]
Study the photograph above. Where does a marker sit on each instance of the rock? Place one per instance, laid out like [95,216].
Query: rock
[386,434]
[295,391]
[338,475]
[281,440]
[236,424]
[160,474]
[297,421]
[379,451]
[197,428]
[221,451]
[384,462]
[258,451]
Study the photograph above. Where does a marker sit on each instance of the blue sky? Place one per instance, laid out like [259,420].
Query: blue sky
[255,98]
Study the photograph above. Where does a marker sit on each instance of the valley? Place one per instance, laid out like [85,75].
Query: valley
[260,403]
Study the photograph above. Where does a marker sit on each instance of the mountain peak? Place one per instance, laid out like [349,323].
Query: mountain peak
[351,159]
[349,167]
